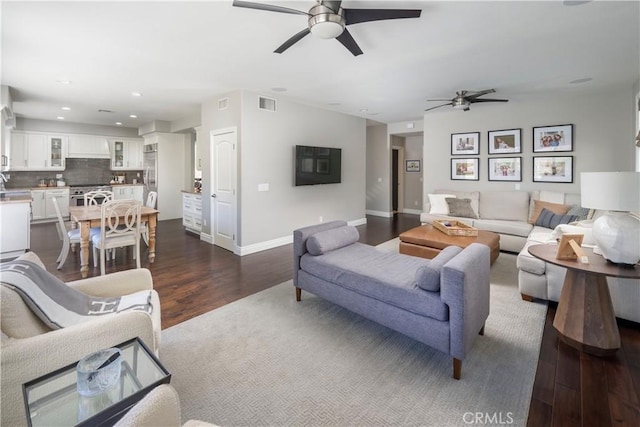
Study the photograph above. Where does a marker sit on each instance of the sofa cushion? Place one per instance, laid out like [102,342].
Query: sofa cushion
[527,262]
[460,207]
[428,276]
[329,240]
[553,207]
[549,219]
[561,229]
[439,204]
[387,277]
[513,228]
[580,212]
[493,205]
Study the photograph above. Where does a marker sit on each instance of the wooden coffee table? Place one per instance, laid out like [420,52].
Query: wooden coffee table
[427,241]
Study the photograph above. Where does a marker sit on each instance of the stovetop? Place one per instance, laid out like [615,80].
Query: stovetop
[89,185]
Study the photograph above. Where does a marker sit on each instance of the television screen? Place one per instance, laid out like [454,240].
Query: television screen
[317,165]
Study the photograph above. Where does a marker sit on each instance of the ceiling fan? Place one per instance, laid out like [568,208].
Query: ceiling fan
[328,20]
[465,98]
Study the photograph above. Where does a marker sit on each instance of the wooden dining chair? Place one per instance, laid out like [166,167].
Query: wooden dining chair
[152,198]
[96,198]
[119,226]
[68,236]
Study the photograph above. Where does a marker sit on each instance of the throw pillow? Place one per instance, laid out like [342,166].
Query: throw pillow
[551,220]
[428,276]
[553,207]
[329,240]
[439,204]
[460,207]
[580,212]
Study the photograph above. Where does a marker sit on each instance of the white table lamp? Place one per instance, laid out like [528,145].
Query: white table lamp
[616,232]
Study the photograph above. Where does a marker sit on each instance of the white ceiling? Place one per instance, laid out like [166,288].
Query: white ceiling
[180,54]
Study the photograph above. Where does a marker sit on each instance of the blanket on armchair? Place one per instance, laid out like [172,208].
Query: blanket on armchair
[59,305]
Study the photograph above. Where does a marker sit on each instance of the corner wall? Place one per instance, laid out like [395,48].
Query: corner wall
[602,139]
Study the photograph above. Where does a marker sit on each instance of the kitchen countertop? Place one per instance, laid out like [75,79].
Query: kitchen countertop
[15,198]
[197,193]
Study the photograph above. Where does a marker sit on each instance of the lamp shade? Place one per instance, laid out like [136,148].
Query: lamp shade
[613,191]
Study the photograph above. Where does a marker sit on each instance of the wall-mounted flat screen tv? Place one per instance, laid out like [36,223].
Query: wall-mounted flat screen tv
[317,165]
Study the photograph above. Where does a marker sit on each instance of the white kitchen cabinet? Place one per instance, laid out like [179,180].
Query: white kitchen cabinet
[42,206]
[128,192]
[126,153]
[38,151]
[192,212]
[14,222]
[88,147]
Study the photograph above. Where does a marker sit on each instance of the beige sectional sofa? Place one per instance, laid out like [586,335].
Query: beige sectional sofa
[507,213]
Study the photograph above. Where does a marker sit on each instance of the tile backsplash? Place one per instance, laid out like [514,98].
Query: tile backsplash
[77,172]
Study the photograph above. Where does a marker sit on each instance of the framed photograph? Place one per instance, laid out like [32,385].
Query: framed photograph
[567,250]
[504,141]
[553,138]
[463,144]
[465,169]
[553,169]
[505,169]
[412,166]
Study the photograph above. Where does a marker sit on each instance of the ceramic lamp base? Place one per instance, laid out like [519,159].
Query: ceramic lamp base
[617,234]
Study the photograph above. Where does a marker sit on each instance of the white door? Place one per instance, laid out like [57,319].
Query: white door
[223,194]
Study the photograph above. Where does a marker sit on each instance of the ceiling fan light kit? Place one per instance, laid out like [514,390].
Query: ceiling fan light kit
[325,23]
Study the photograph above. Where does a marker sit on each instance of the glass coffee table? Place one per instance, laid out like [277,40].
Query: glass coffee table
[53,399]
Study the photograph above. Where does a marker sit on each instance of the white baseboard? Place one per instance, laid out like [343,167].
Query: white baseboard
[412,211]
[379,213]
[262,246]
[206,238]
[357,222]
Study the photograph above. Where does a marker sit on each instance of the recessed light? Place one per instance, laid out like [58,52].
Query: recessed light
[136,94]
[578,81]
[66,108]
[133,116]
[119,123]
[60,118]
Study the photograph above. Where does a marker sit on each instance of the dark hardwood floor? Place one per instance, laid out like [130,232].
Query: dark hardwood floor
[193,277]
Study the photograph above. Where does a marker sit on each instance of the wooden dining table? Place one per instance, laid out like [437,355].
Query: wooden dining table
[90,216]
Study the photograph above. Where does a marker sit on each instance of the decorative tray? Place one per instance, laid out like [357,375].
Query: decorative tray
[455,228]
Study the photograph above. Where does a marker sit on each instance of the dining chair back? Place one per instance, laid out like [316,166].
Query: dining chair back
[67,236]
[97,197]
[119,226]
[152,198]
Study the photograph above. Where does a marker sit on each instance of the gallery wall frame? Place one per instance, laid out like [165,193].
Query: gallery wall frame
[465,169]
[553,169]
[505,141]
[412,166]
[465,144]
[553,138]
[505,169]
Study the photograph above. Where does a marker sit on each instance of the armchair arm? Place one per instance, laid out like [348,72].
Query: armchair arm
[161,407]
[115,284]
[25,359]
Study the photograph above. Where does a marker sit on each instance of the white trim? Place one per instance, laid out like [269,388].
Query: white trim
[412,211]
[262,246]
[356,222]
[205,237]
[379,213]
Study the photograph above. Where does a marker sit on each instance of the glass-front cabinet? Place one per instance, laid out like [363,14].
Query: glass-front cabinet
[56,152]
[126,154]
[37,151]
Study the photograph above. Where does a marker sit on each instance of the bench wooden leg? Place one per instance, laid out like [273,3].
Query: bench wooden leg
[526,297]
[457,368]
[298,294]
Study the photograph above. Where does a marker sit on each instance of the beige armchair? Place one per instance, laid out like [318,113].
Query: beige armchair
[29,349]
[159,408]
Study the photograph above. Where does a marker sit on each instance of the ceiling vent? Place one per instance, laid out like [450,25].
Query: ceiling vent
[268,104]
[223,103]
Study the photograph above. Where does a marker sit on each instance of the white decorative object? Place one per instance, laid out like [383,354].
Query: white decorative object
[617,233]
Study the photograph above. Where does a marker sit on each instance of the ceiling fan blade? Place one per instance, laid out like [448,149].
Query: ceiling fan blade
[292,40]
[478,93]
[433,108]
[267,7]
[333,5]
[356,16]
[347,41]
[429,100]
[473,101]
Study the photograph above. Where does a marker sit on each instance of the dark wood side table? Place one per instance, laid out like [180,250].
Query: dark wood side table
[585,318]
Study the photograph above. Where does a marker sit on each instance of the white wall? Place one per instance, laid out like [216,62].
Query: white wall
[378,173]
[267,144]
[413,180]
[602,135]
[69,127]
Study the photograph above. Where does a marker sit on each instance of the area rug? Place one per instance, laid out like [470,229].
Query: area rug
[269,360]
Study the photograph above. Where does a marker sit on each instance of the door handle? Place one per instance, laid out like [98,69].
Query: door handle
[214,196]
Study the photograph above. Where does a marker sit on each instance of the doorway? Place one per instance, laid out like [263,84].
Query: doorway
[397,179]
[223,188]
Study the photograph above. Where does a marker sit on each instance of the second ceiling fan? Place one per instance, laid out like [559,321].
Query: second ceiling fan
[328,20]
[465,98]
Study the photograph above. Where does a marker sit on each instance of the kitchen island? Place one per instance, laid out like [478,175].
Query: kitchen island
[15,219]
